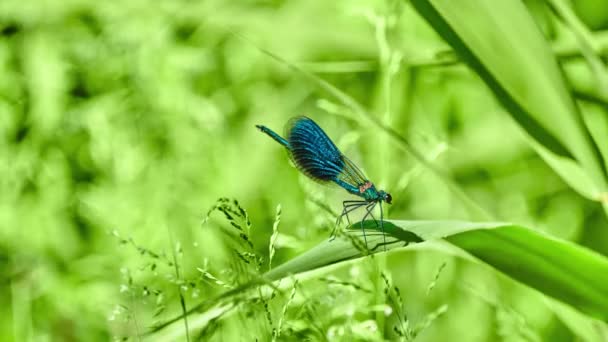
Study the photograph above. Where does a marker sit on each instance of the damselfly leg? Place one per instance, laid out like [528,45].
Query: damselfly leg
[382,226]
[369,212]
[348,206]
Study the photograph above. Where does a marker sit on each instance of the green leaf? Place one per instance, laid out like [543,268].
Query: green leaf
[501,43]
[563,270]
[585,41]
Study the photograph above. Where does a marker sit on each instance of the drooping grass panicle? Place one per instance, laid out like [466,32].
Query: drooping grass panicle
[277,332]
[428,320]
[162,256]
[394,299]
[336,281]
[207,276]
[435,279]
[274,236]
[237,217]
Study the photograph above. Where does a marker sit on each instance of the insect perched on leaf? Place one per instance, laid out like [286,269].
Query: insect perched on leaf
[316,156]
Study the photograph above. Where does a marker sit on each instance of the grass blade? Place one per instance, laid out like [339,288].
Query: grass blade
[563,270]
[502,44]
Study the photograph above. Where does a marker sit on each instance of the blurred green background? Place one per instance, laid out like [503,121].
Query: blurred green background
[124,122]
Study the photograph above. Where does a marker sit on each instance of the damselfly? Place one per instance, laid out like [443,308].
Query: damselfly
[316,156]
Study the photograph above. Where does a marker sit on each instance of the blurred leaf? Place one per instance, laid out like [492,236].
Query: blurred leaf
[557,268]
[502,44]
[586,42]
[593,12]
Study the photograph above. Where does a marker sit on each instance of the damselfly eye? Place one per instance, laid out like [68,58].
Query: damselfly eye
[388,199]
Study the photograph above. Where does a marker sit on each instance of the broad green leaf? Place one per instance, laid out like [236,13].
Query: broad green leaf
[558,268]
[501,43]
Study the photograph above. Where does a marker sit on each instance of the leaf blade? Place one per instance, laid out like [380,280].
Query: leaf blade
[502,44]
[558,268]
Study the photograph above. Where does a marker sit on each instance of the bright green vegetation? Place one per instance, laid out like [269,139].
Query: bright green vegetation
[138,201]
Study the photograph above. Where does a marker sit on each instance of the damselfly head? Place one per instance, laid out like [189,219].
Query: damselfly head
[385,196]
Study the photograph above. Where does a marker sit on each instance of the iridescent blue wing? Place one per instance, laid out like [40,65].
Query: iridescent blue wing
[316,155]
[351,173]
[312,151]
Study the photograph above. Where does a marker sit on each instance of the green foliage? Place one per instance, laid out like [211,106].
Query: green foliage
[557,268]
[123,123]
[494,38]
